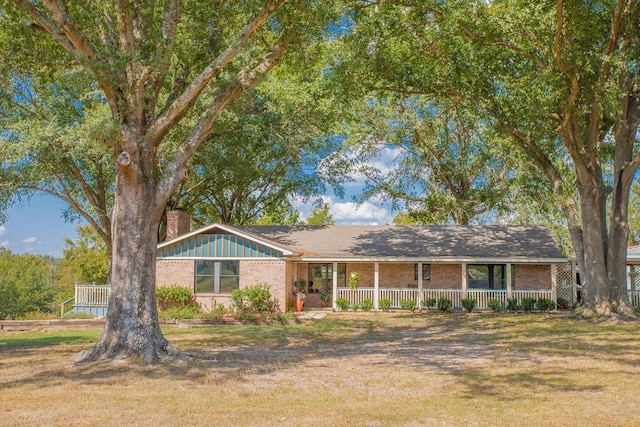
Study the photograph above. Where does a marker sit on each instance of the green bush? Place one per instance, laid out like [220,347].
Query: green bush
[495,304]
[38,315]
[367,305]
[175,296]
[444,304]
[385,304]
[512,304]
[254,299]
[342,304]
[563,303]
[355,306]
[468,304]
[528,304]
[546,304]
[408,304]
[429,303]
[188,312]
[218,311]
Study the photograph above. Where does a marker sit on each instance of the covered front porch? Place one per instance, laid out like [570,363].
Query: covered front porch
[422,281]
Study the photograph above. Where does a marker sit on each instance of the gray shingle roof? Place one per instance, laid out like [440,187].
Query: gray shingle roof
[432,241]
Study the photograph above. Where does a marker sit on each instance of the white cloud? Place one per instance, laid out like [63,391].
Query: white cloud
[352,213]
[4,244]
[3,230]
[29,240]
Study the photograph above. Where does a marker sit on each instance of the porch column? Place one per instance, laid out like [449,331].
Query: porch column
[419,299]
[334,278]
[554,290]
[465,284]
[509,280]
[376,286]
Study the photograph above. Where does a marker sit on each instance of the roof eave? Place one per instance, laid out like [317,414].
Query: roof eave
[436,260]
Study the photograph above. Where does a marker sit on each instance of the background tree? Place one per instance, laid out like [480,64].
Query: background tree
[560,78]
[446,164]
[54,142]
[252,165]
[85,259]
[26,284]
[167,72]
[320,216]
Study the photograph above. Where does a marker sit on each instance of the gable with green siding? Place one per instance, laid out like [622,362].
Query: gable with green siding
[222,245]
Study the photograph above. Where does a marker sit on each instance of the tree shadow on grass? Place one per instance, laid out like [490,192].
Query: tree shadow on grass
[483,354]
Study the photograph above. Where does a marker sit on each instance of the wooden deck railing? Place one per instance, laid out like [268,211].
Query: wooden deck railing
[92,295]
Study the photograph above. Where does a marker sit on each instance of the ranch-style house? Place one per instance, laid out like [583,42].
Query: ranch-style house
[392,262]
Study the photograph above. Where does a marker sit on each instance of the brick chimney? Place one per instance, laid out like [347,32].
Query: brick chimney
[178,223]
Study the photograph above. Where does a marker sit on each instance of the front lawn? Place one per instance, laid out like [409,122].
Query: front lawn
[356,369]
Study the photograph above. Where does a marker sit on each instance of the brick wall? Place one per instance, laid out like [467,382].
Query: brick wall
[175,272]
[276,273]
[532,276]
[447,276]
[273,272]
[444,276]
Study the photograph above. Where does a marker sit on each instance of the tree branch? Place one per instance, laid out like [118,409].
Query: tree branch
[169,117]
[247,78]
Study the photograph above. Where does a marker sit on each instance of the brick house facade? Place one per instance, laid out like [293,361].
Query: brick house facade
[413,262]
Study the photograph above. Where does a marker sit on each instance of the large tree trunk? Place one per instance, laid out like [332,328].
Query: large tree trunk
[132,328]
[594,277]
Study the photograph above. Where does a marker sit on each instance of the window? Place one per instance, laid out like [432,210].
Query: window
[214,277]
[487,276]
[426,271]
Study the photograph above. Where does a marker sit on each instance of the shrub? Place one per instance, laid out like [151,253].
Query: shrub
[444,304]
[385,304]
[528,304]
[495,304]
[468,304]
[175,296]
[563,303]
[408,304]
[355,306]
[429,303]
[39,315]
[546,304]
[188,312]
[254,299]
[512,304]
[367,305]
[342,304]
[218,311]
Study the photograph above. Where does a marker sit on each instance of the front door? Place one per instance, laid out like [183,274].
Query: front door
[321,283]
[320,278]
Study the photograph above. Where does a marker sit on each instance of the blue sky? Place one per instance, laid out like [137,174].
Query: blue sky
[37,227]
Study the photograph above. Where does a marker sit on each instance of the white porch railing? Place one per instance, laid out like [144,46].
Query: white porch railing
[535,294]
[92,295]
[482,296]
[357,295]
[398,294]
[634,296]
[453,295]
